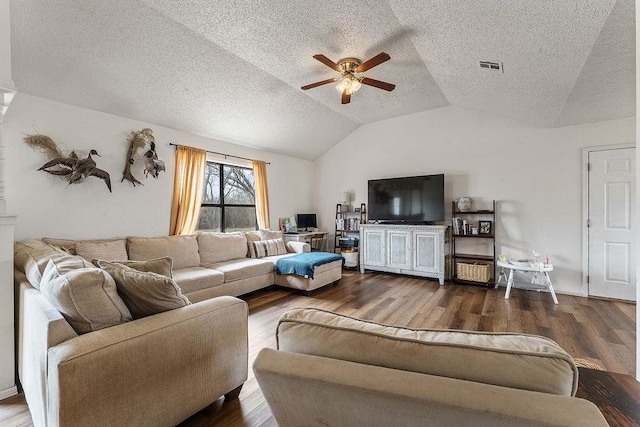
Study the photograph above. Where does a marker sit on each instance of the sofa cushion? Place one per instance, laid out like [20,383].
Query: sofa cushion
[262,248]
[32,256]
[145,293]
[69,245]
[252,236]
[110,250]
[183,250]
[85,295]
[242,268]
[66,244]
[263,234]
[216,247]
[191,279]
[511,360]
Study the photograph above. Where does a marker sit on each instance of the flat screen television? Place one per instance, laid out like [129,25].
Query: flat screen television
[307,221]
[407,200]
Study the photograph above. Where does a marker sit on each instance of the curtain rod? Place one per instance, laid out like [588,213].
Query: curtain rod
[221,154]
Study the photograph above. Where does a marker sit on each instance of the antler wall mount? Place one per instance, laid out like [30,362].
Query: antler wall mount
[349,82]
[142,141]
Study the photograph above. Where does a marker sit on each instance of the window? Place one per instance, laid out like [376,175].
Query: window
[228,201]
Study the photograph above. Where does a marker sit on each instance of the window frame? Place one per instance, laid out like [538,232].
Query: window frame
[222,205]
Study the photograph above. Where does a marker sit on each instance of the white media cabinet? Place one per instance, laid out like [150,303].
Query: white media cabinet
[417,250]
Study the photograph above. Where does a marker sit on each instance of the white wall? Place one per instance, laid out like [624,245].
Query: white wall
[637,192]
[5,44]
[7,359]
[534,173]
[46,207]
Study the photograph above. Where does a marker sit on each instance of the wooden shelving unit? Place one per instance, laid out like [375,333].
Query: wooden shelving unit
[348,226]
[461,238]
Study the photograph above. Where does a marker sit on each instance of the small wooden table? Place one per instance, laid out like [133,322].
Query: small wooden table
[535,269]
[616,395]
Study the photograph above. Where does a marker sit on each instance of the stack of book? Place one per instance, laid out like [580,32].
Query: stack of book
[461,226]
[347,224]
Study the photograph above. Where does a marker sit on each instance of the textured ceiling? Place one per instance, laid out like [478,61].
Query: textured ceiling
[232,70]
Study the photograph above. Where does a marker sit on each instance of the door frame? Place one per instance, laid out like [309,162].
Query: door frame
[585,206]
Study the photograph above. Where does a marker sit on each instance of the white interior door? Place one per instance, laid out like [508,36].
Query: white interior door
[612,221]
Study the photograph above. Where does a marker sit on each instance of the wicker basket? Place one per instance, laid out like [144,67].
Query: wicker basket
[476,272]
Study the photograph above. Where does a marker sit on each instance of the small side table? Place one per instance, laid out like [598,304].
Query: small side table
[545,269]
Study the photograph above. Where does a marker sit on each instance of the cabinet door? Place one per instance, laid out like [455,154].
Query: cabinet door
[427,256]
[374,248]
[399,249]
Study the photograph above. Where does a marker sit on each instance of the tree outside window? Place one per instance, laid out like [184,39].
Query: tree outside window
[228,200]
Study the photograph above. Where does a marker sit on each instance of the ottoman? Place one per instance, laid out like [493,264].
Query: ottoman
[324,268]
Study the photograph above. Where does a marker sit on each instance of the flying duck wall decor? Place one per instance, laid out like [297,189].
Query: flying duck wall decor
[70,168]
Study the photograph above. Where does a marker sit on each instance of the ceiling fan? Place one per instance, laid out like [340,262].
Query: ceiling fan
[349,82]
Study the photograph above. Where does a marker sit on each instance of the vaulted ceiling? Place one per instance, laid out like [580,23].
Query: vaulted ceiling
[233,69]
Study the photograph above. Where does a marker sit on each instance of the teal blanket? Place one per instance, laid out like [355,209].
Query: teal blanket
[303,264]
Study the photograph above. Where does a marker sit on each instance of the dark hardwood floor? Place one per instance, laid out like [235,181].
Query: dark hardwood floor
[600,331]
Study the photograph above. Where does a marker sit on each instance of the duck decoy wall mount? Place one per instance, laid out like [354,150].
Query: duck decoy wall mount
[74,169]
[142,142]
[71,168]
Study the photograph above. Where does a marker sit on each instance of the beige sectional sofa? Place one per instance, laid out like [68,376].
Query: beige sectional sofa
[149,371]
[331,369]
[205,265]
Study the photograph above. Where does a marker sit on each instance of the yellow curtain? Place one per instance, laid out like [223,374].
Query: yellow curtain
[188,184]
[262,193]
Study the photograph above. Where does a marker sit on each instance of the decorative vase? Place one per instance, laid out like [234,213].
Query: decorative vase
[464,204]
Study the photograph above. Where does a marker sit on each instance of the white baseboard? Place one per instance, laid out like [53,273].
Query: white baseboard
[8,392]
[561,292]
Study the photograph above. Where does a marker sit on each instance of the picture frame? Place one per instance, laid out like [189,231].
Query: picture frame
[484,227]
[288,225]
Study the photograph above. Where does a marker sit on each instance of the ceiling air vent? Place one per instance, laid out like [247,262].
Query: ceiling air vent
[496,66]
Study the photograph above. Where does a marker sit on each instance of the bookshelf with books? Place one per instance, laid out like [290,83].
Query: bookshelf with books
[347,226]
[473,248]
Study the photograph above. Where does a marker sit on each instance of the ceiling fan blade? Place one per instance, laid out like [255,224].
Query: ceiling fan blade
[316,84]
[378,84]
[376,60]
[346,97]
[329,63]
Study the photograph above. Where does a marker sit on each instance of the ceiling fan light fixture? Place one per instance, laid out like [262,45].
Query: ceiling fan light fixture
[344,84]
[348,83]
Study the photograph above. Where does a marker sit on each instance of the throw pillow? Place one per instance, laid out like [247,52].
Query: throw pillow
[145,293]
[86,297]
[162,266]
[262,248]
[32,256]
[115,249]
